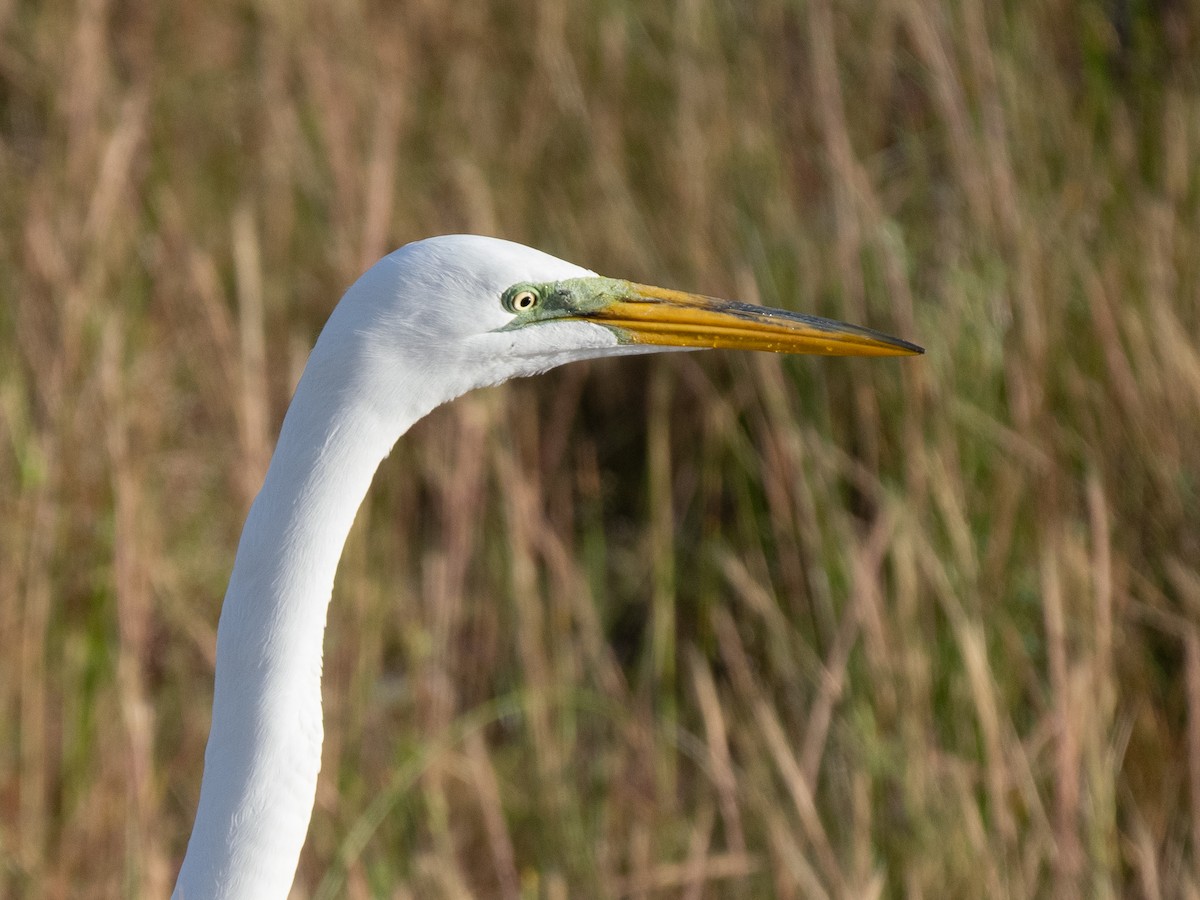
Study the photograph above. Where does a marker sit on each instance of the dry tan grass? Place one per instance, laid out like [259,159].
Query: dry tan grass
[690,627]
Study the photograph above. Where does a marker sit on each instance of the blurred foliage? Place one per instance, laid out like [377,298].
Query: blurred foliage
[705,625]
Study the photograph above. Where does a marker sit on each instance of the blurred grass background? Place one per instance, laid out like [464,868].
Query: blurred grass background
[699,626]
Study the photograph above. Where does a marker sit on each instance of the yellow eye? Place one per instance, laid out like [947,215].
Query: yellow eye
[524,301]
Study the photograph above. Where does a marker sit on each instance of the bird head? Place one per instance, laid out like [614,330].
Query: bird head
[463,311]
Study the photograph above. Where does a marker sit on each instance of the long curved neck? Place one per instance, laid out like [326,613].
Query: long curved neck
[264,749]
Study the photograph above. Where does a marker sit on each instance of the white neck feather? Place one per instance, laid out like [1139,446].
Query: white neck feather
[419,328]
[264,749]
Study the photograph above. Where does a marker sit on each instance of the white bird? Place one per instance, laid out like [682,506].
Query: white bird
[427,323]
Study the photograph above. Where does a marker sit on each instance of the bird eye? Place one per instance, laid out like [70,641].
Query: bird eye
[523,301]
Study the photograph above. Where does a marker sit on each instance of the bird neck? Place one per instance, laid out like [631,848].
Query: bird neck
[264,748]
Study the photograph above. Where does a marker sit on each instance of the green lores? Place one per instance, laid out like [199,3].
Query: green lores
[641,314]
[571,298]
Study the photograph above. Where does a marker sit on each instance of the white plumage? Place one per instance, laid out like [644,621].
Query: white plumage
[427,323]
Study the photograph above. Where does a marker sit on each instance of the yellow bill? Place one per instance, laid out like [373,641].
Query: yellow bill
[651,315]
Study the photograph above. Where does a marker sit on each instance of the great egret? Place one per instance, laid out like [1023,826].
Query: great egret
[432,320]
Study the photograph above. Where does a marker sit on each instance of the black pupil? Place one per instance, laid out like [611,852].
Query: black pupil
[524,300]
